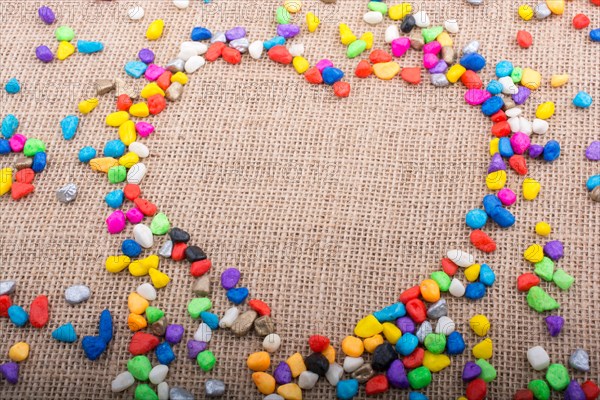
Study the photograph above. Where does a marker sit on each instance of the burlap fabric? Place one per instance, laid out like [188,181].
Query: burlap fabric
[329,207]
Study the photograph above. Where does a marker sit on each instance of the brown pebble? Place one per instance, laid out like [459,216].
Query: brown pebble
[448,54]
[264,325]
[23,162]
[201,286]
[104,86]
[363,373]
[243,323]
[159,327]
[174,92]
[508,104]
[416,41]
[595,194]
[328,1]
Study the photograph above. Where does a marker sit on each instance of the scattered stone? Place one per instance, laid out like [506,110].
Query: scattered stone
[77,294]
[67,193]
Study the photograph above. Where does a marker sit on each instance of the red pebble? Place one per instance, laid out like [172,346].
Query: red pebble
[527,281]
[38,312]
[501,129]
[318,343]
[590,389]
[178,252]
[156,104]
[142,343]
[409,294]
[411,75]
[363,69]
[26,175]
[231,55]
[313,75]
[214,51]
[260,307]
[449,267]
[471,80]
[580,21]
[518,164]
[124,102]
[147,208]
[476,389]
[499,116]
[377,385]
[595,2]
[523,394]
[132,191]
[380,56]
[280,54]
[416,310]
[414,359]
[5,303]
[199,268]
[164,81]
[341,89]
[482,241]
[19,190]
[524,39]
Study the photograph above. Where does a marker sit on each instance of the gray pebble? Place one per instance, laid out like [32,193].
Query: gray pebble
[475,2]
[416,41]
[438,309]
[214,388]
[439,80]
[174,92]
[201,286]
[177,393]
[240,44]
[424,330]
[122,87]
[471,47]
[542,11]
[23,162]
[580,360]
[159,327]
[242,325]
[166,249]
[175,65]
[219,37]
[363,373]
[264,325]
[7,287]
[104,86]
[508,104]
[77,294]
[448,54]
[67,193]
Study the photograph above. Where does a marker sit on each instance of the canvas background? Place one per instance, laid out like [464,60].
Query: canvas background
[329,207]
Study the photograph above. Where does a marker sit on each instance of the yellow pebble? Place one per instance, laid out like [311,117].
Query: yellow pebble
[296,364]
[180,77]
[484,349]
[86,106]
[462,398]
[136,303]
[155,30]
[387,70]
[301,64]
[472,273]
[368,38]
[525,12]
[117,119]
[65,50]
[372,343]
[346,35]
[494,143]
[496,180]
[116,264]
[352,346]
[259,361]
[545,110]
[531,79]
[444,39]
[480,324]
[151,261]
[139,110]
[543,228]
[127,132]
[136,322]
[556,6]
[103,164]
[19,352]
[559,80]
[391,332]
[534,253]
[329,354]
[399,11]
[159,279]
[435,362]
[264,382]
[290,391]
[5,180]
[455,72]
[137,268]
[292,6]
[151,89]
[531,188]
[367,327]
[312,21]
[129,160]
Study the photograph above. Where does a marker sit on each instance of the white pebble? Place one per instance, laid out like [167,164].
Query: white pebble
[219,37]
[203,334]
[77,294]
[143,235]
[445,325]
[181,4]
[539,126]
[391,33]
[513,112]
[229,317]
[508,86]
[524,126]
[7,287]
[471,47]
[351,364]
[538,358]
[334,374]
[272,342]
[475,2]
[147,291]
[457,289]
[194,63]
[199,47]
[514,124]
[273,397]
[186,54]
[136,173]
[461,258]
[158,374]
[422,19]
[296,49]
[122,382]
[373,17]
[424,330]
[140,149]
[256,49]
[307,380]
[163,391]
[240,44]
[451,25]
[135,13]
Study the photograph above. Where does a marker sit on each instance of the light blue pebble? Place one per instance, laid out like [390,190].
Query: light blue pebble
[492,105]
[347,389]
[332,75]
[18,315]
[407,344]
[86,47]
[504,68]
[592,182]
[551,150]
[10,124]
[13,86]
[114,148]
[135,69]
[505,148]
[65,333]
[237,295]
[210,319]
[277,40]
[582,100]
[475,291]
[390,313]
[417,396]
[494,87]
[164,353]
[486,275]
[115,198]
[455,344]
[86,154]
[5,146]
[69,126]
[39,162]
[476,218]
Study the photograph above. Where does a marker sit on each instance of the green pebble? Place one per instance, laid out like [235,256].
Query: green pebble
[139,367]
[145,392]
[199,305]
[488,372]
[545,269]
[540,389]
[558,377]
[435,342]
[517,74]
[430,34]
[562,279]
[442,279]
[378,6]
[153,314]
[117,174]
[283,15]
[64,34]
[160,224]
[540,301]
[419,378]
[206,360]
[356,48]
[33,146]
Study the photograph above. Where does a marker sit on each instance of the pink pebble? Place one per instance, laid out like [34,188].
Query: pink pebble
[135,216]
[432,47]
[507,196]
[324,63]
[115,222]
[400,46]
[144,129]
[476,97]
[153,72]
[429,60]
[17,143]
[520,142]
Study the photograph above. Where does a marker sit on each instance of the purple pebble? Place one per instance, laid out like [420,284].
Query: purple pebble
[535,150]
[146,56]
[10,372]
[44,54]
[470,371]
[554,249]
[174,333]
[47,15]
[554,324]
[593,151]
[288,30]
[229,278]
[521,96]
[396,375]
[195,347]
[324,63]
[235,33]
[282,374]
[406,325]
[574,392]
[497,164]
[439,68]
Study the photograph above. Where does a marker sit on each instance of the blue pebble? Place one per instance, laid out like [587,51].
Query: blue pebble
[490,203]
[494,87]
[551,151]
[505,148]
[164,353]
[407,344]
[390,313]
[10,124]
[210,319]
[200,33]
[12,86]
[332,75]
[86,47]
[582,100]
[492,105]
[277,40]
[486,275]
[93,347]
[592,182]
[237,295]
[503,217]
[135,69]
[131,248]
[105,327]
[86,154]
[114,148]
[476,218]
[455,344]
[115,198]
[69,126]
[475,291]
[4,146]
[595,35]
[417,396]
[504,68]
[347,389]
[39,162]
[65,333]
[473,61]
[17,315]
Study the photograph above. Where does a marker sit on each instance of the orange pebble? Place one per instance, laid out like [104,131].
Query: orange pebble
[124,102]
[259,361]
[156,104]
[132,191]
[280,54]
[19,190]
[147,208]
[313,75]
[482,241]
[329,354]
[231,55]
[471,80]
[164,81]
[380,56]
[430,290]
[341,89]
[136,322]
[264,382]
[25,175]
[411,75]
[363,69]
[296,364]
[214,51]
[353,346]
[137,304]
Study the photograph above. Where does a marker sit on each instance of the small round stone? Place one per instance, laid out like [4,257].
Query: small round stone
[317,363]
[580,360]
[77,294]
[177,393]
[213,388]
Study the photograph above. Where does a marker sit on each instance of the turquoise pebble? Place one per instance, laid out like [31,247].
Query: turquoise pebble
[164,353]
[390,313]
[504,68]
[505,148]
[582,100]
[10,124]
[86,154]
[417,396]
[69,126]
[210,319]
[39,162]
[135,69]
[492,105]
[332,75]
[592,182]
[494,87]
[115,198]
[237,295]
[455,344]
[277,40]
[93,347]
[105,327]
[13,86]
[114,148]
[476,218]
[18,315]
[347,389]
[475,291]
[65,333]
[486,275]
[86,47]
[407,344]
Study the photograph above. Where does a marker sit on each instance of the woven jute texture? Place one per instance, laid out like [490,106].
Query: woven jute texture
[329,207]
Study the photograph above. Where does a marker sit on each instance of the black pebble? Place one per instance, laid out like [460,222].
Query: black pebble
[195,253]
[317,363]
[408,23]
[179,236]
[383,356]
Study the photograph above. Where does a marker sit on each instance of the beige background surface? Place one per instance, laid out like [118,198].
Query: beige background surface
[329,207]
